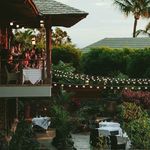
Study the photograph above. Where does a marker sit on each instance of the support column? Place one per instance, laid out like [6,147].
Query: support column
[48,50]
[17,107]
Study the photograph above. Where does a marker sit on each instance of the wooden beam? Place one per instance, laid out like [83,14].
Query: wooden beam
[48,49]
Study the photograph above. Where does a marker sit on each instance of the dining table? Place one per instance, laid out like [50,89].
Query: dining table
[43,122]
[114,129]
[32,74]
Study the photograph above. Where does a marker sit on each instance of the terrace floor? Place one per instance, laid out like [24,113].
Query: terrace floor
[81,141]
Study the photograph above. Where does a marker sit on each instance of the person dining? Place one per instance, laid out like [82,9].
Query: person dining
[33,58]
[12,65]
[26,59]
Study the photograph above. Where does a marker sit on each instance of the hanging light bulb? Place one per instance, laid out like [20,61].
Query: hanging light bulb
[11,23]
[17,26]
[146,88]
[41,23]
[104,87]
[55,84]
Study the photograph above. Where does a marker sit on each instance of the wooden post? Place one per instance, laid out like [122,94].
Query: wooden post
[17,107]
[48,50]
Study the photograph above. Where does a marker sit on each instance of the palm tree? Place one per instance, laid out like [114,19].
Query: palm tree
[24,37]
[138,8]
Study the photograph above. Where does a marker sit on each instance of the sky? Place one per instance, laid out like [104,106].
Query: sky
[103,21]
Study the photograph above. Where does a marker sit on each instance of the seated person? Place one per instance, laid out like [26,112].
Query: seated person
[26,60]
[11,64]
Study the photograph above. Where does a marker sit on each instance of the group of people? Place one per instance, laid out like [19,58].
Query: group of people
[29,58]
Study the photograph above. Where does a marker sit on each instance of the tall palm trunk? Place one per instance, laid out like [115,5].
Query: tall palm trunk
[134,27]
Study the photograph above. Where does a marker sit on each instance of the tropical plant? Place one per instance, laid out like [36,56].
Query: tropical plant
[138,97]
[139,132]
[138,8]
[61,121]
[103,61]
[23,138]
[60,37]
[146,31]
[41,38]
[136,123]
[24,37]
[67,54]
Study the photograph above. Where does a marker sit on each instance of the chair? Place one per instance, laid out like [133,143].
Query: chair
[94,135]
[115,145]
[11,76]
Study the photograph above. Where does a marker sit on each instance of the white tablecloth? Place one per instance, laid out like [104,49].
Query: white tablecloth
[43,122]
[32,75]
[105,129]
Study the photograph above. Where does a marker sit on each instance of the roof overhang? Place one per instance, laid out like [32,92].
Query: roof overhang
[16,10]
[27,14]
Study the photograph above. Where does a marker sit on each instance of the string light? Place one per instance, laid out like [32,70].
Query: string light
[11,23]
[55,84]
[41,23]
[104,82]
[17,26]
[83,86]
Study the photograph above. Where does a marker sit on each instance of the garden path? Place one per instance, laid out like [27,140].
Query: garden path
[81,141]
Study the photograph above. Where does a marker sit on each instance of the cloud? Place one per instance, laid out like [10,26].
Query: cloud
[103,3]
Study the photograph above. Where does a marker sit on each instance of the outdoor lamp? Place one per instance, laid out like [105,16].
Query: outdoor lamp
[41,23]
[33,41]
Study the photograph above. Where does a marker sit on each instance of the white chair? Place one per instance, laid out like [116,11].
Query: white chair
[11,76]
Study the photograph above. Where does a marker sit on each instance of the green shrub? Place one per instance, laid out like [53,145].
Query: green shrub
[23,139]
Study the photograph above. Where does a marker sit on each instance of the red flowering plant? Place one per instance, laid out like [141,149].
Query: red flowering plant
[138,97]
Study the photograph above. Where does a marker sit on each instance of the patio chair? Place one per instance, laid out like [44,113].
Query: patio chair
[11,76]
[115,145]
[94,136]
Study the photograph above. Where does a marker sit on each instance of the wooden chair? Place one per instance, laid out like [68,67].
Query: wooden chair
[11,76]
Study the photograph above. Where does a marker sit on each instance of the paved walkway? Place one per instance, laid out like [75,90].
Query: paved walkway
[81,141]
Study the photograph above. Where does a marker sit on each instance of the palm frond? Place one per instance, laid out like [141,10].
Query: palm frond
[144,32]
[125,6]
[147,27]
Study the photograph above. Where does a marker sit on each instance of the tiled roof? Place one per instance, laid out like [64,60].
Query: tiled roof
[121,43]
[52,7]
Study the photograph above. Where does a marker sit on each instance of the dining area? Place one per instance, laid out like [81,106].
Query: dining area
[109,135]
[25,67]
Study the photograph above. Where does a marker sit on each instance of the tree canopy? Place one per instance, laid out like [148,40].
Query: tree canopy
[138,8]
